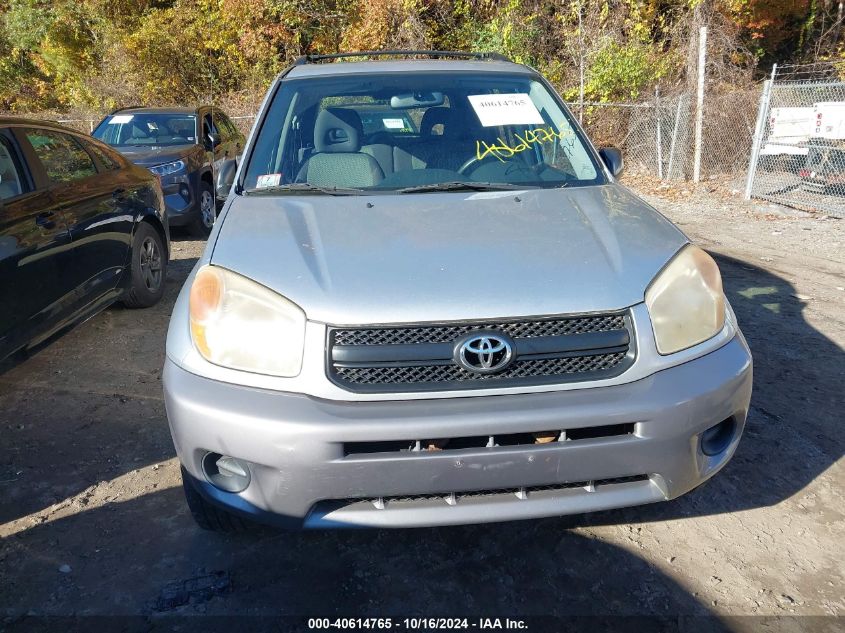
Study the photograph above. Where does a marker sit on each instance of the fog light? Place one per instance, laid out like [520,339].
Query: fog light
[226,473]
[717,438]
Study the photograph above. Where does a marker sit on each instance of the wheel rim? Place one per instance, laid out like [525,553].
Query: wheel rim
[207,209]
[150,264]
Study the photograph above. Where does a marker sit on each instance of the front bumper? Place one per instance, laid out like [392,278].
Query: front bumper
[301,475]
[180,196]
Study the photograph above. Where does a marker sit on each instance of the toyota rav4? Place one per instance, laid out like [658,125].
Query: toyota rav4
[453,313]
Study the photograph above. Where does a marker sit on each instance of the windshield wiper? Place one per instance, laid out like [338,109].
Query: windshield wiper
[459,185]
[305,187]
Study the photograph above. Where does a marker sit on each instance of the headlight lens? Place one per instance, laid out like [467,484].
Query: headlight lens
[686,302]
[240,324]
[168,168]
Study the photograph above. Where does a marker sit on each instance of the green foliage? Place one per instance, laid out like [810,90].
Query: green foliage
[103,53]
[620,72]
[513,30]
[184,53]
[26,23]
[48,49]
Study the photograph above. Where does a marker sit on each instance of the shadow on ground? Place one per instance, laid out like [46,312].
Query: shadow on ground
[86,405]
[143,545]
[124,554]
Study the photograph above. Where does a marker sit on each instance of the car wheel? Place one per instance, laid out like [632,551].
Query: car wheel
[148,268]
[204,222]
[207,516]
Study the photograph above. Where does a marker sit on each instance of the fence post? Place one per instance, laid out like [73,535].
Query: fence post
[699,111]
[674,142]
[580,62]
[659,137]
[759,130]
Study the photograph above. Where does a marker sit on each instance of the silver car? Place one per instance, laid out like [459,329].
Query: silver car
[428,301]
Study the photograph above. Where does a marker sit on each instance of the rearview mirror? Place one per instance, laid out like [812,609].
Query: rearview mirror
[416,100]
[225,179]
[612,157]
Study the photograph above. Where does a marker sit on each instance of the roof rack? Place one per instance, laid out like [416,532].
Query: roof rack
[311,59]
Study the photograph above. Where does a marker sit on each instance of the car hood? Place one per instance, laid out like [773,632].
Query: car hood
[449,256]
[151,156]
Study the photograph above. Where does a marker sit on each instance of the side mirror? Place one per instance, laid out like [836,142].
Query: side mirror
[213,140]
[612,157]
[225,179]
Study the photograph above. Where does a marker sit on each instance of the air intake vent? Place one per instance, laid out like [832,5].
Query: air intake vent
[494,495]
[539,438]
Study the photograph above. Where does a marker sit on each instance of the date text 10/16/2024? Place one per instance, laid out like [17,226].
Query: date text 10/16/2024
[418,623]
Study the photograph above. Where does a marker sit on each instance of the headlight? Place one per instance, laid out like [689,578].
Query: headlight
[686,302]
[168,168]
[240,324]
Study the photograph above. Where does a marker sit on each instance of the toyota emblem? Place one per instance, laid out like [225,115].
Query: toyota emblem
[484,352]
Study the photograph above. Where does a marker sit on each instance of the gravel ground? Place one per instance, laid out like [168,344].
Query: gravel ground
[93,522]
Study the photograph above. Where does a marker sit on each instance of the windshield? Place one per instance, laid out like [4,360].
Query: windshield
[417,132]
[142,129]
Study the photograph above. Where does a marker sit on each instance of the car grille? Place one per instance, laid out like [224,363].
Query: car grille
[450,333]
[423,358]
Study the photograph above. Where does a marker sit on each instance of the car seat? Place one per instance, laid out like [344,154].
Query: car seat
[381,146]
[183,129]
[137,136]
[338,160]
[441,130]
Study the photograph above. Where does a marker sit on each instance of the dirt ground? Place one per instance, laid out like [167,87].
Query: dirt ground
[93,522]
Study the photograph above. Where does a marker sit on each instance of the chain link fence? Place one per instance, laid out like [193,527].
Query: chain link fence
[657,137]
[798,156]
[652,135]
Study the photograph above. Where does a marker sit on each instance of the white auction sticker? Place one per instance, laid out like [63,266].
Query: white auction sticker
[268,180]
[120,118]
[394,124]
[505,109]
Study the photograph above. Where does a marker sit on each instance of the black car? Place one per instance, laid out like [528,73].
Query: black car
[187,148]
[80,228]
[824,171]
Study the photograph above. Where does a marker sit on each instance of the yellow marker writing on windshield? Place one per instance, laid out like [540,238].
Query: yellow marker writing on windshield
[501,150]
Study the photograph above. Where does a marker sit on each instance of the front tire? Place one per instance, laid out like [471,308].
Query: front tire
[204,222]
[207,516]
[147,269]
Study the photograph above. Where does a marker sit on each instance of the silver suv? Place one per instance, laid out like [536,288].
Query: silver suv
[427,301]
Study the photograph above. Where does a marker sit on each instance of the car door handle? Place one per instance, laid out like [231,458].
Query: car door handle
[44,219]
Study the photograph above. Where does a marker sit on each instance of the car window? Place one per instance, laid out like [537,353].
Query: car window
[225,125]
[63,157]
[105,160]
[208,126]
[392,131]
[141,129]
[234,128]
[11,175]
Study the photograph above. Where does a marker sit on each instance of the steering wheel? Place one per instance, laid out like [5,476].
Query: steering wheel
[470,162]
[511,165]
